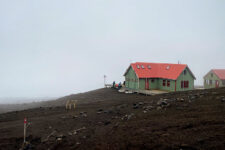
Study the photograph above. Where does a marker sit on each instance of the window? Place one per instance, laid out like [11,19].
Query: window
[164,82]
[207,82]
[153,80]
[138,66]
[168,67]
[184,84]
[211,74]
[185,72]
[168,83]
[142,67]
[149,67]
[223,82]
[210,82]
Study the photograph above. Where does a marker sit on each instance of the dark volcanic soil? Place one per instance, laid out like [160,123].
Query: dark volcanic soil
[105,119]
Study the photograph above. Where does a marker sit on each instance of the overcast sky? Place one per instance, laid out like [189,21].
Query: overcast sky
[51,48]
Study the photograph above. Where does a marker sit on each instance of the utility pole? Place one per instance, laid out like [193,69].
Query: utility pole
[104,80]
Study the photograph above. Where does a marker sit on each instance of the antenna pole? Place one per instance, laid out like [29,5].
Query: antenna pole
[104,80]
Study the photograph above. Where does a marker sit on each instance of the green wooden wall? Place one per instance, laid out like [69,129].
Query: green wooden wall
[187,77]
[132,82]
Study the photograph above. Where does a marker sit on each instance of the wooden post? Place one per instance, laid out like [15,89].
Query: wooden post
[25,128]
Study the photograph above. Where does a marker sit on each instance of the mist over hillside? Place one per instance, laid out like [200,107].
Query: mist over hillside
[22,100]
[17,104]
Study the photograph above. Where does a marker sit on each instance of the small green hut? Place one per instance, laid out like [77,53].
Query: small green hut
[214,78]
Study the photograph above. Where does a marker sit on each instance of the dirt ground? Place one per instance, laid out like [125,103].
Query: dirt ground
[108,120]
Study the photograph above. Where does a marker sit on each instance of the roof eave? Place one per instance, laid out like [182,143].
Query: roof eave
[128,70]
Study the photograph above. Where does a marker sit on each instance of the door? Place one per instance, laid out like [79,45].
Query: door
[217,83]
[146,84]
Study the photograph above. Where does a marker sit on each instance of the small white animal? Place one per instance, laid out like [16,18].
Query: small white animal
[69,104]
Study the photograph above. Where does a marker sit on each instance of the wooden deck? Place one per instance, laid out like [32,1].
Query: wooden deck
[147,92]
[151,92]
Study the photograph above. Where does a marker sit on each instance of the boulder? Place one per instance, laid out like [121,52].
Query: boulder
[135,106]
[223,100]
[144,111]
[140,103]
[162,102]
[127,117]
[149,107]
[107,122]
[159,108]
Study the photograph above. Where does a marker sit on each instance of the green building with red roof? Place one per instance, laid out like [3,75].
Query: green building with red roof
[215,78]
[159,76]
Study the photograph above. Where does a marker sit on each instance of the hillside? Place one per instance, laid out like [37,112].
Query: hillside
[107,119]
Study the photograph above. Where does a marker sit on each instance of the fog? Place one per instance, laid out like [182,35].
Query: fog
[55,48]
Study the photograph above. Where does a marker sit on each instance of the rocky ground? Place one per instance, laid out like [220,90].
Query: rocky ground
[106,119]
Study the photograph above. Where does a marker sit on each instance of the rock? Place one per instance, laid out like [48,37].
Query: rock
[63,117]
[116,125]
[121,106]
[140,103]
[135,106]
[159,108]
[128,92]
[106,111]
[78,130]
[144,111]
[127,117]
[69,133]
[59,139]
[84,115]
[223,100]
[162,102]
[75,117]
[180,99]
[100,109]
[60,136]
[148,107]
[107,122]
[84,137]
[192,97]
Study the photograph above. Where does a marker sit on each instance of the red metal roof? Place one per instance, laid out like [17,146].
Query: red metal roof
[220,73]
[158,70]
